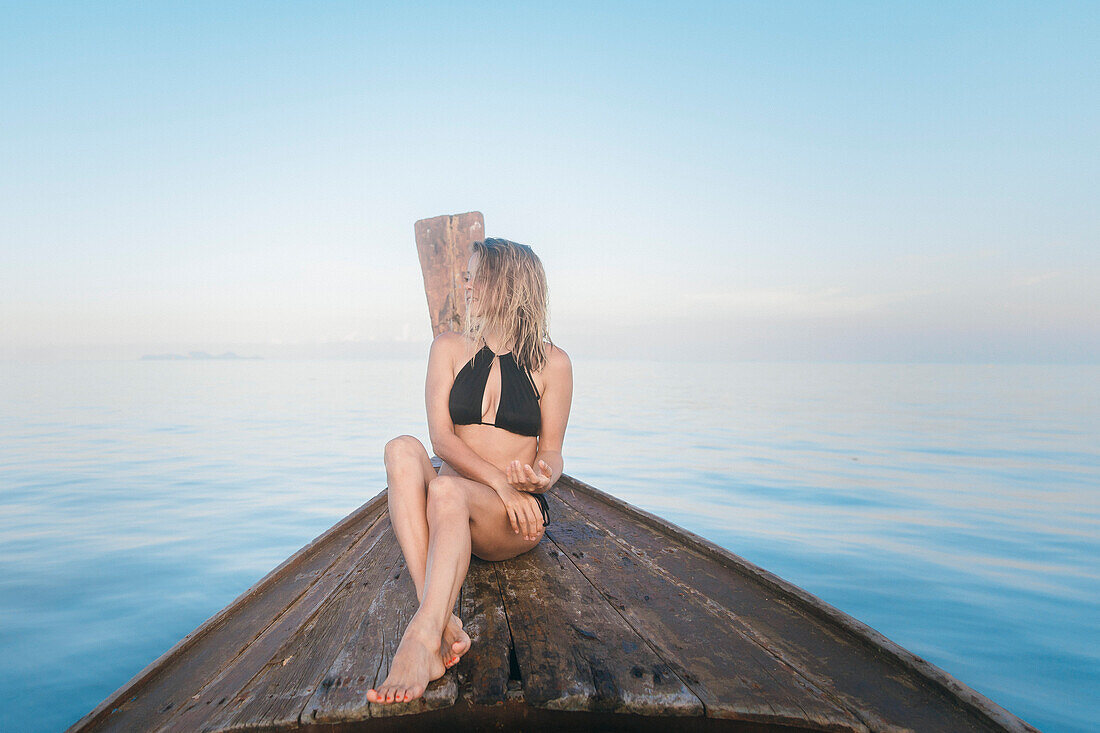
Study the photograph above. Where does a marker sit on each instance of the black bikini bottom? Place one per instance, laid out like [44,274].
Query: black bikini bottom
[545,509]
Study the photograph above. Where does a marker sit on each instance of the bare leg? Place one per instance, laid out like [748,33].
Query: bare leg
[408,472]
[462,514]
[417,661]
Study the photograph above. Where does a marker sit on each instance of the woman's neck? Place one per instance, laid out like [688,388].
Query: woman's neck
[496,343]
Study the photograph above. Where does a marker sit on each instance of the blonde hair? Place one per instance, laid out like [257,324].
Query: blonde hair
[513,300]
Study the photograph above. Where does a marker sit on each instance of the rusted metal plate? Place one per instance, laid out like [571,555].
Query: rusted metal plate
[575,651]
[444,244]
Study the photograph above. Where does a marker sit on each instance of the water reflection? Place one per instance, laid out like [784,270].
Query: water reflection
[953,508]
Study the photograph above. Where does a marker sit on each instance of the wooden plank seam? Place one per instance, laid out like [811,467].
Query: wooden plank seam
[356,549]
[802,602]
[979,704]
[352,549]
[508,622]
[352,557]
[130,689]
[671,666]
[722,614]
[273,695]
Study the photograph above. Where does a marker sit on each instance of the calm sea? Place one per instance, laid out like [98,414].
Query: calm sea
[954,508]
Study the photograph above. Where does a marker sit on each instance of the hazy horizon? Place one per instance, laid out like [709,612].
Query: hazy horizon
[581,348]
[734,181]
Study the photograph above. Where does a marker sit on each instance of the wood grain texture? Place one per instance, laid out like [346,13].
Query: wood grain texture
[851,670]
[395,605]
[733,676]
[483,670]
[170,681]
[276,696]
[226,684]
[443,244]
[616,614]
[359,665]
[575,651]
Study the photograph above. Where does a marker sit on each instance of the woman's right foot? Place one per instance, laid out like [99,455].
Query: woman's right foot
[416,663]
[456,642]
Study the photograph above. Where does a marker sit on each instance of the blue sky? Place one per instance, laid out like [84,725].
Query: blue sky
[864,181]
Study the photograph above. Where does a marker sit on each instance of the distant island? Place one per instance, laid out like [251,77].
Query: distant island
[191,355]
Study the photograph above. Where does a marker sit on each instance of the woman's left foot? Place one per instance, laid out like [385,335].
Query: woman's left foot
[456,642]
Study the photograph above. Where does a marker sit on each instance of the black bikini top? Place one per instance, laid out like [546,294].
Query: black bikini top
[518,407]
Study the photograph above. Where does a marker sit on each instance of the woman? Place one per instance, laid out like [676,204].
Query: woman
[498,398]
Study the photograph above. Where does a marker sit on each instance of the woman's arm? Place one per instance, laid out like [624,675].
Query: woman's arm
[448,446]
[557,398]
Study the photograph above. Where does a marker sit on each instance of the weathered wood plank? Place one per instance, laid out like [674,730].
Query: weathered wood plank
[342,695]
[276,696]
[575,652]
[610,584]
[395,605]
[444,244]
[850,666]
[484,670]
[168,682]
[734,677]
[227,683]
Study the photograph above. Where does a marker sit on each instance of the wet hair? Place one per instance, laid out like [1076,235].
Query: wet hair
[513,300]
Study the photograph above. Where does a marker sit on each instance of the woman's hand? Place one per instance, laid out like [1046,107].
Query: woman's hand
[523,512]
[523,477]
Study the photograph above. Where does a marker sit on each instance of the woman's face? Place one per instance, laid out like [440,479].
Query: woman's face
[471,290]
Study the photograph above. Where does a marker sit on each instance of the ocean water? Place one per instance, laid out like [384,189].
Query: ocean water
[954,508]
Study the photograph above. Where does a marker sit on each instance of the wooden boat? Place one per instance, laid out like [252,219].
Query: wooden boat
[617,620]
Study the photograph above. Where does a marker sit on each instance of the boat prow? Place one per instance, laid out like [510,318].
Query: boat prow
[618,619]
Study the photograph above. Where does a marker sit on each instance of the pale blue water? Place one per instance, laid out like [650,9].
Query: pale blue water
[954,508]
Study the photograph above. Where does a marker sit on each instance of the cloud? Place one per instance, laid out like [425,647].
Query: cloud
[1025,281]
[792,302]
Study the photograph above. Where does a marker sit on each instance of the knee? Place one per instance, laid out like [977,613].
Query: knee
[446,496]
[403,448]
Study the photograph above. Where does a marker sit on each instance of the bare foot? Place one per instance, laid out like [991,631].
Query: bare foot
[456,642]
[416,663]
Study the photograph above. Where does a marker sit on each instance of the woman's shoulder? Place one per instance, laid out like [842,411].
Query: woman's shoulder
[448,345]
[448,339]
[556,359]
